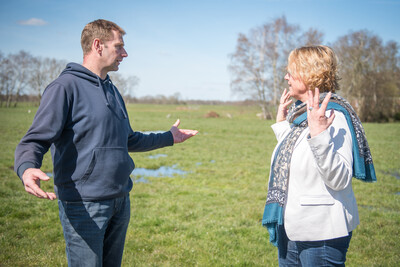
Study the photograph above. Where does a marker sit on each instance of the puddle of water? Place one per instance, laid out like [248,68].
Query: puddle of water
[395,174]
[138,174]
[157,156]
[164,171]
[201,163]
[381,209]
[141,180]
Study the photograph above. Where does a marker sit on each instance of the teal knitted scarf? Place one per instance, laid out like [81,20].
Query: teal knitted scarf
[363,167]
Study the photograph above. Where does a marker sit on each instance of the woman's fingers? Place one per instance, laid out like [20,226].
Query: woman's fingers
[324,103]
[316,98]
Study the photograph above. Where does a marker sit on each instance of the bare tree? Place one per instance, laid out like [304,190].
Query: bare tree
[370,74]
[44,71]
[3,78]
[311,37]
[259,63]
[17,76]
[8,81]
[125,85]
[8,84]
[132,82]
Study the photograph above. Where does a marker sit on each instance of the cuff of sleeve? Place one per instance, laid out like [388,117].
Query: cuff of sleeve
[319,143]
[22,168]
[170,138]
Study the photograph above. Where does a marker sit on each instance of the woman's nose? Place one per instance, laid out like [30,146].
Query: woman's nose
[286,76]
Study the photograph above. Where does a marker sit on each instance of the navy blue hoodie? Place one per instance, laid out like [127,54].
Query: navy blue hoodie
[84,120]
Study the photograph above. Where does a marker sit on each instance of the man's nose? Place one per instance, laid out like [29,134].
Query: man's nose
[124,53]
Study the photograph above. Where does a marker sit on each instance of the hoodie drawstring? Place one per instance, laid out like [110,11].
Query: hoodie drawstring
[118,100]
[104,93]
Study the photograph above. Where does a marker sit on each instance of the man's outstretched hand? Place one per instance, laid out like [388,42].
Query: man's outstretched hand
[31,179]
[181,135]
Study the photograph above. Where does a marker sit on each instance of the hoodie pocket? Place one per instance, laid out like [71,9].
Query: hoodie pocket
[107,173]
[316,200]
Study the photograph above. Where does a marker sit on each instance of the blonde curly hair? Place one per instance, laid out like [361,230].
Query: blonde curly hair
[316,66]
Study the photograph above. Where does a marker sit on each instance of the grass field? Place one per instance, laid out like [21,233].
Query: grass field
[211,215]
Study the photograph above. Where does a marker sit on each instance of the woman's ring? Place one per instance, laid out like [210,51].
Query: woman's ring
[310,108]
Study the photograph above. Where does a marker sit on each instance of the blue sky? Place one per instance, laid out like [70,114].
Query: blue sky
[178,46]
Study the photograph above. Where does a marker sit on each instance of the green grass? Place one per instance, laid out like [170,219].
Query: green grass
[208,217]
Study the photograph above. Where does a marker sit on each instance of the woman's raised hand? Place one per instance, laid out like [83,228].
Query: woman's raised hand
[317,121]
[284,102]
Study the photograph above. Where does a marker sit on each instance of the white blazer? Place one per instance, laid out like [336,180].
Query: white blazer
[320,203]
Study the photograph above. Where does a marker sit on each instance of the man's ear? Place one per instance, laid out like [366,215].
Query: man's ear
[97,46]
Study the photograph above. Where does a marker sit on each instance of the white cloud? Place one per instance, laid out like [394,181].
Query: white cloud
[32,22]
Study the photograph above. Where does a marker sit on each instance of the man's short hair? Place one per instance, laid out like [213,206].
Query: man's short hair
[102,29]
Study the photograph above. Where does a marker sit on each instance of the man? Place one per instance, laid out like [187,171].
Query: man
[83,118]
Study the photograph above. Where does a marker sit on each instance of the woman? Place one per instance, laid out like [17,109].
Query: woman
[311,210]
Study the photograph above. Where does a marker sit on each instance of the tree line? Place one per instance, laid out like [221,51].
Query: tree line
[369,71]
[369,68]
[24,77]
[23,74]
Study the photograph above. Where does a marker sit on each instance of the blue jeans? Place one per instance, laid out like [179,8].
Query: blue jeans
[330,252]
[95,231]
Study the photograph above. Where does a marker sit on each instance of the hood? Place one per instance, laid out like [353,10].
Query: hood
[81,72]
[84,73]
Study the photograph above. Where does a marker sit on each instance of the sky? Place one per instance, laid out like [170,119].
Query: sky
[182,46]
